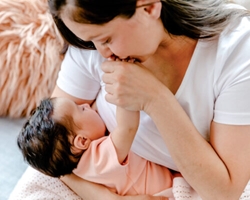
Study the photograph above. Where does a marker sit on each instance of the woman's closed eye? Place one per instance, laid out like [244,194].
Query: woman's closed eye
[106,41]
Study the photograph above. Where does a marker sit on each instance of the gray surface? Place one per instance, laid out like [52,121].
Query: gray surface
[12,165]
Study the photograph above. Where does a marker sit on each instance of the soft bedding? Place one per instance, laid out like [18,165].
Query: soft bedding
[34,185]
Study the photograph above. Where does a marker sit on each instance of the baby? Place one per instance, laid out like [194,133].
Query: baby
[61,137]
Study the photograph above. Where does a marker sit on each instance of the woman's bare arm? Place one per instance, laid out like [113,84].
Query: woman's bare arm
[93,191]
[216,170]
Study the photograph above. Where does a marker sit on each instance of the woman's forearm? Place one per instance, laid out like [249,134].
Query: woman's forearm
[87,190]
[92,191]
[196,159]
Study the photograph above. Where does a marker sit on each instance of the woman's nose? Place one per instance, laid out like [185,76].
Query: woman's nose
[104,50]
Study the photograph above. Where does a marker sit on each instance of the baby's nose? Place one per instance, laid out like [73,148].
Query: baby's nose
[86,105]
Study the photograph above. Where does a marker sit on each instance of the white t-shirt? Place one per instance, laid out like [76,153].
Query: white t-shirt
[216,87]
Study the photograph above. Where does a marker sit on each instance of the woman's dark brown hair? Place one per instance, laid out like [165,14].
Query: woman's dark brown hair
[197,19]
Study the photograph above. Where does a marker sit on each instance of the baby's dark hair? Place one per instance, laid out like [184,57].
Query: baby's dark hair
[45,143]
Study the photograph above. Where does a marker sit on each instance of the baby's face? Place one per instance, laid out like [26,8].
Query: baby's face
[85,118]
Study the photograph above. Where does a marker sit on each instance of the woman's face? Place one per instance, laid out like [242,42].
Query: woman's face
[137,37]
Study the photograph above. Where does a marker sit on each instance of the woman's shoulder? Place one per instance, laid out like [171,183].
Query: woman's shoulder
[238,26]
[233,41]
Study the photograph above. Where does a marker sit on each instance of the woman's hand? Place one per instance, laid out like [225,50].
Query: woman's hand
[92,191]
[129,85]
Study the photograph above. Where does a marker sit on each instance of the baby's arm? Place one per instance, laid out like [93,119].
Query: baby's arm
[123,135]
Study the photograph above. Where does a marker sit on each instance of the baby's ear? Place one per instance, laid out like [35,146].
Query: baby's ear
[81,143]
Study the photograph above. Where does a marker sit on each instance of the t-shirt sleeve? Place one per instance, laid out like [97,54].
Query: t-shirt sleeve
[232,105]
[80,74]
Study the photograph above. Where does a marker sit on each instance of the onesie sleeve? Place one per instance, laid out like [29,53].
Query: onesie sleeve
[80,73]
[99,164]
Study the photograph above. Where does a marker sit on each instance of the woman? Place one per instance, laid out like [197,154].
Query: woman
[191,79]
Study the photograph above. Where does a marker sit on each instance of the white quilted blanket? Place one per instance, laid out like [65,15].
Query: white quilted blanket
[36,186]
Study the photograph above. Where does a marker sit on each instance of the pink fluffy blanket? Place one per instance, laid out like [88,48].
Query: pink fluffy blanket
[29,55]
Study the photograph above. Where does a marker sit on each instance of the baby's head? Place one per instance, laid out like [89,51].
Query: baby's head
[57,133]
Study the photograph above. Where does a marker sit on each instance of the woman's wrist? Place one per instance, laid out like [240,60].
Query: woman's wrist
[158,101]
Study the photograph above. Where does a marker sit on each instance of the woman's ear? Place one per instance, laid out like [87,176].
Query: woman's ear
[152,7]
[81,143]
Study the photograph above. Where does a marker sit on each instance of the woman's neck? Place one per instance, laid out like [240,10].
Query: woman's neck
[177,50]
[171,60]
